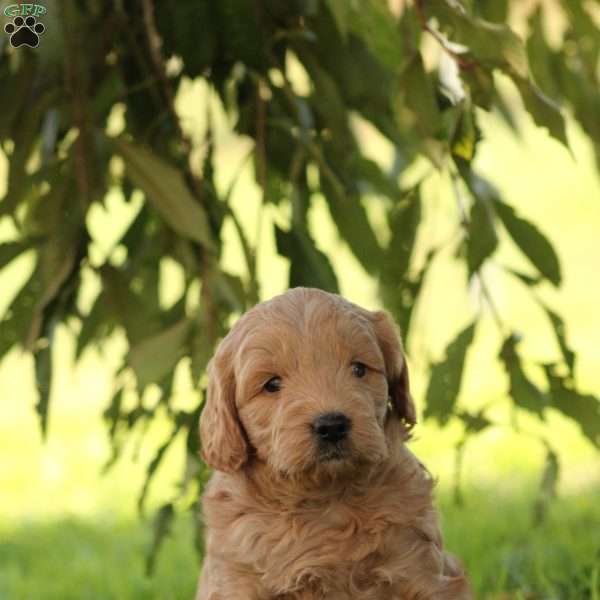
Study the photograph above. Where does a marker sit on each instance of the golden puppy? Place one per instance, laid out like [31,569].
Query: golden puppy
[314,495]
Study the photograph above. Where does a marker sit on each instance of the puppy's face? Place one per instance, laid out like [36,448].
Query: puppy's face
[306,383]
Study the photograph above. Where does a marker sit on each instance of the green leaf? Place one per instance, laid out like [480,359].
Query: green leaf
[112,414]
[153,466]
[152,358]
[492,44]
[138,313]
[584,409]
[474,423]
[403,222]
[400,297]
[230,290]
[308,265]
[444,383]
[481,86]
[10,250]
[16,322]
[354,227]
[373,23]
[417,94]
[43,379]
[559,329]
[522,390]
[165,188]
[95,325]
[163,522]
[528,280]
[544,111]
[548,486]
[200,353]
[531,241]
[465,136]
[340,11]
[482,239]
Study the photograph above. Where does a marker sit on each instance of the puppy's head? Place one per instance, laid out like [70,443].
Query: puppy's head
[306,382]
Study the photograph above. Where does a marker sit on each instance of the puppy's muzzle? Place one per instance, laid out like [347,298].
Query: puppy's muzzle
[331,428]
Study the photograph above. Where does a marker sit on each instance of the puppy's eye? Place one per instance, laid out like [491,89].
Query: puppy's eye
[359,369]
[273,385]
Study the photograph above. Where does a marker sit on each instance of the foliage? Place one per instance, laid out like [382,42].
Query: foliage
[364,63]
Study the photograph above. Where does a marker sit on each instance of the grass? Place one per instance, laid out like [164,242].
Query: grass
[507,558]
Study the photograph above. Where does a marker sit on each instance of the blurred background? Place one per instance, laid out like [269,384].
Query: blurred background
[165,166]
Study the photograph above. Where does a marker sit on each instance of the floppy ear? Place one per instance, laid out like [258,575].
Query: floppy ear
[223,441]
[396,370]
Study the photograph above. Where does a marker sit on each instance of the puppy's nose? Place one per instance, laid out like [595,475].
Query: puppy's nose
[331,427]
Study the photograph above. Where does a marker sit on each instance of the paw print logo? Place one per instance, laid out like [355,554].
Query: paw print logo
[24,32]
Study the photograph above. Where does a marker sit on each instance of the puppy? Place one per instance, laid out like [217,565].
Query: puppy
[315,495]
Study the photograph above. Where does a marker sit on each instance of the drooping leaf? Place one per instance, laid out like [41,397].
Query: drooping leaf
[166,190]
[340,10]
[135,312]
[465,136]
[43,380]
[373,23]
[200,354]
[544,111]
[152,358]
[474,422]
[584,409]
[446,376]
[548,486]
[355,229]
[230,290]
[95,326]
[481,86]
[163,522]
[401,297]
[417,94]
[492,44]
[528,280]
[10,250]
[403,222]
[558,325]
[534,244]
[525,394]
[308,265]
[16,321]
[482,239]
[153,466]
[112,413]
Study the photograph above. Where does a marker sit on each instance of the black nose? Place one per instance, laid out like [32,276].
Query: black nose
[331,427]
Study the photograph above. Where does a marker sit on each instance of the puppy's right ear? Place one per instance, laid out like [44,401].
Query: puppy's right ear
[223,441]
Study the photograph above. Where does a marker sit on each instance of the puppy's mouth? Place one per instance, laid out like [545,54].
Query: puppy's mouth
[332,452]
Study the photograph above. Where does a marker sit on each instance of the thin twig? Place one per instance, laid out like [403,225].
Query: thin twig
[311,147]
[478,274]
[77,89]
[208,262]
[462,62]
[155,49]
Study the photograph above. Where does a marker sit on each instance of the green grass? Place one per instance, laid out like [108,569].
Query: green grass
[507,558]
[70,559]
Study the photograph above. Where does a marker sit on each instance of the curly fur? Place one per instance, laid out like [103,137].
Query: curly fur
[282,521]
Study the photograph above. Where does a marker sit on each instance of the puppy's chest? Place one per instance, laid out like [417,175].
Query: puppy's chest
[336,552]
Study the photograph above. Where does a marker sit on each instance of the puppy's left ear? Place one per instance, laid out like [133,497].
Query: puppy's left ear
[396,369]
